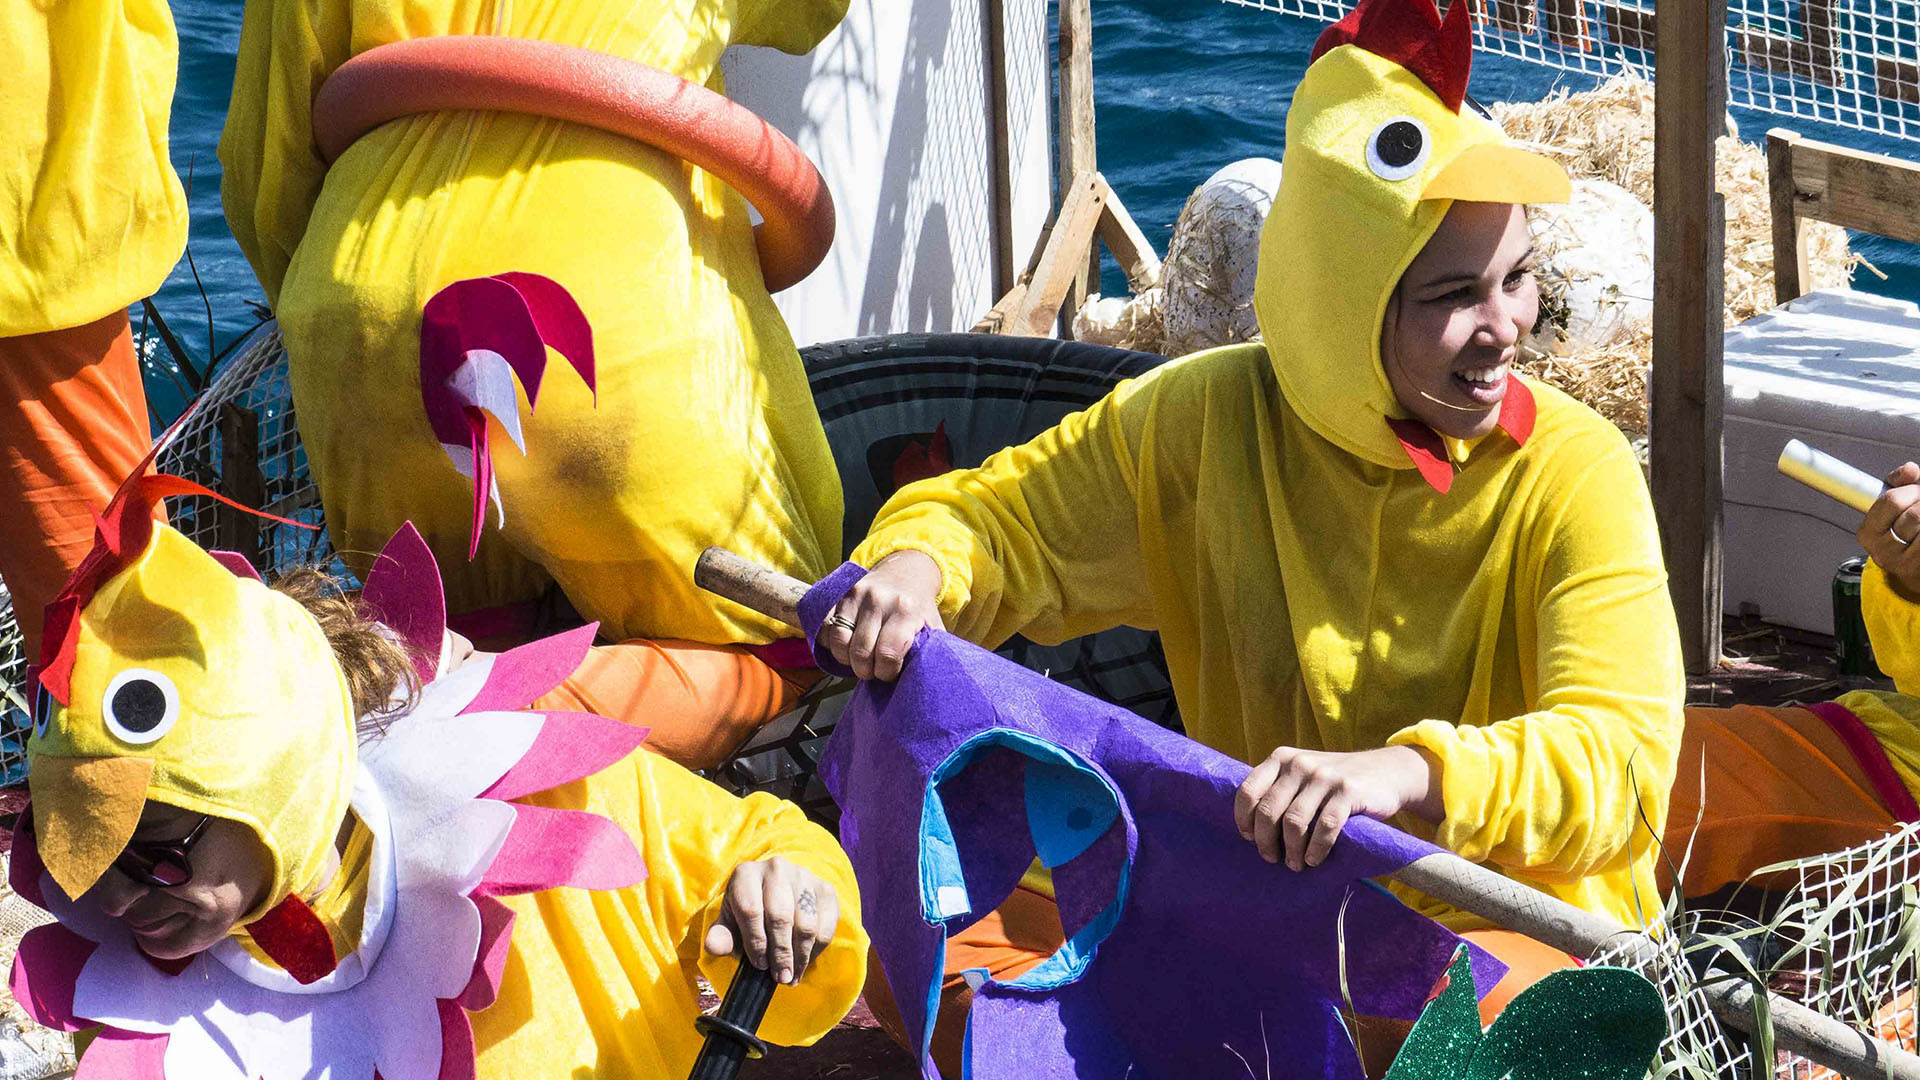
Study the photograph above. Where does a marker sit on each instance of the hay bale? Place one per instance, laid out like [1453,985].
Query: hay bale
[1123,322]
[1607,134]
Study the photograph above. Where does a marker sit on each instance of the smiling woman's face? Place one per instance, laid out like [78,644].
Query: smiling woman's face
[230,875]
[1454,323]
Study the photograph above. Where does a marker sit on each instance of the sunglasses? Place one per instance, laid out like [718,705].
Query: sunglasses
[161,864]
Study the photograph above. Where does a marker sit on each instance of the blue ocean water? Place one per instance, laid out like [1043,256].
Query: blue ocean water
[1181,88]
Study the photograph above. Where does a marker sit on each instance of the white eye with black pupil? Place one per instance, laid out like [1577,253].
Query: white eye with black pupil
[140,706]
[1398,148]
[42,708]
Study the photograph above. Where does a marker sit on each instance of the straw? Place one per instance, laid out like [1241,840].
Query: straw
[1607,134]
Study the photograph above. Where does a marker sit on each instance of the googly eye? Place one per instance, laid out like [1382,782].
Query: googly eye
[1398,148]
[43,705]
[140,706]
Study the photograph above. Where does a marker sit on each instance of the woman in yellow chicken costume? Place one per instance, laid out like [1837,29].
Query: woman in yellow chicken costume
[280,845]
[1398,577]
[92,218]
[686,420]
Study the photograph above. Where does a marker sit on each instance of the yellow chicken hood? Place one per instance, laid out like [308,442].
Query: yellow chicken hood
[1377,150]
[169,677]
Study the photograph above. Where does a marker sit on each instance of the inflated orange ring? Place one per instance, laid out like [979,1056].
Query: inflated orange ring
[592,89]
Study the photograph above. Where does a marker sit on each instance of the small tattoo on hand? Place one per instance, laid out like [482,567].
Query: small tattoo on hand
[805,903]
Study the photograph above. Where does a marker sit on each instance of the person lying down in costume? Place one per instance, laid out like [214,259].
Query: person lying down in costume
[277,841]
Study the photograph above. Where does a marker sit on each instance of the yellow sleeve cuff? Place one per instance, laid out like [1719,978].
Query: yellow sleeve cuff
[956,571]
[803,1012]
[1464,779]
[1893,625]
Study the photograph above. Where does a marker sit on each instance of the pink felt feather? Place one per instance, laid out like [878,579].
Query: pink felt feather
[551,849]
[490,964]
[570,746]
[124,1055]
[516,317]
[46,969]
[24,868]
[518,676]
[457,1053]
[562,325]
[236,563]
[404,592]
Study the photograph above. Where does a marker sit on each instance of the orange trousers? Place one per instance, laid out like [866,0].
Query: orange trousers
[1764,785]
[701,701]
[73,425]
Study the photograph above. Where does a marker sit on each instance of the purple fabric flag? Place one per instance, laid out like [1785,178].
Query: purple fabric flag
[1186,954]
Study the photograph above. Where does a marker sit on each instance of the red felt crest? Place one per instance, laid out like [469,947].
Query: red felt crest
[120,534]
[295,938]
[1411,33]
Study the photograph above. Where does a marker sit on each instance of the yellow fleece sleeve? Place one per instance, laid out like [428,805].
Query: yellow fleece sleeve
[792,26]
[1574,786]
[270,172]
[1042,539]
[713,833]
[1893,624]
[92,215]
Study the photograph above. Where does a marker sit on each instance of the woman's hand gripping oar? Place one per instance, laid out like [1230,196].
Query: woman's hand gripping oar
[1471,888]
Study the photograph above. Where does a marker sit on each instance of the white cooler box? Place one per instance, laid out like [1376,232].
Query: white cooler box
[1840,371]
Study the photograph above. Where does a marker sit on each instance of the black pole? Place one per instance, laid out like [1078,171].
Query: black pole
[730,1032]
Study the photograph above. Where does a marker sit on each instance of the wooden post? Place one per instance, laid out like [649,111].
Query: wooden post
[1065,252]
[1001,135]
[1077,157]
[1789,250]
[240,480]
[1689,389]
[1129,245]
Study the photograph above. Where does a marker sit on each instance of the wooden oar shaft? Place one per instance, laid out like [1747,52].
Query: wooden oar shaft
[1468,886]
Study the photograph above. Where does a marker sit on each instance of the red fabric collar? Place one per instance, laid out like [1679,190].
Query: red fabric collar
[1428,450]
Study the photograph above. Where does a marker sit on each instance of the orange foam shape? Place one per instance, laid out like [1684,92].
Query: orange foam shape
[593,89]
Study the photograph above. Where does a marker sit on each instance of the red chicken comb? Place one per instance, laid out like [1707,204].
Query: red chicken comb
[121,533]
[1411,33]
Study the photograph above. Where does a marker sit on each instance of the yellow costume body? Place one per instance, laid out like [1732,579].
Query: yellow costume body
[1893,623]
[626,956]
[704,430]
[188,685]
[1310,588]
[92,216]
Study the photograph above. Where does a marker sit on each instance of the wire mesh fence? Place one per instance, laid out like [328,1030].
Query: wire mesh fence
[1839,933]
[239,439]
[1848,63]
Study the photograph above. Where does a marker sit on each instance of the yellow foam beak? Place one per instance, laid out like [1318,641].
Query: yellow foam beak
[1497,173]
[84,812]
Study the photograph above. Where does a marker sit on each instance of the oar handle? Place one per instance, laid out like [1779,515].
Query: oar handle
[747,583]
[730,1031]
[1468,886]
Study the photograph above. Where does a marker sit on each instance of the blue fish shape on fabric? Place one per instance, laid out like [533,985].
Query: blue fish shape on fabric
[1186,954]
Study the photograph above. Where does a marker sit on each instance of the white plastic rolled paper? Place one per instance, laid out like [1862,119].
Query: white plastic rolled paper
[1829,475]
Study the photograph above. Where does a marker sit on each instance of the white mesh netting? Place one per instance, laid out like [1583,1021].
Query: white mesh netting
[1840,935]
[1851,63]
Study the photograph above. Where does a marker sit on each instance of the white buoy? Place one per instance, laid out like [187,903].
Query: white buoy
[1829,476]
[1213,257]
[1596,267]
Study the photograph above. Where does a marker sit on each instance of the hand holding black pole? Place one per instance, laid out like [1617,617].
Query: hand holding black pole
[730,1032]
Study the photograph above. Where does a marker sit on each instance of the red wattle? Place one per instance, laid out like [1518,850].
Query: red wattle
[294,937]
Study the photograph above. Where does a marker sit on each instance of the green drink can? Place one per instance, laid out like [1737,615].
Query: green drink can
[1849,626]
